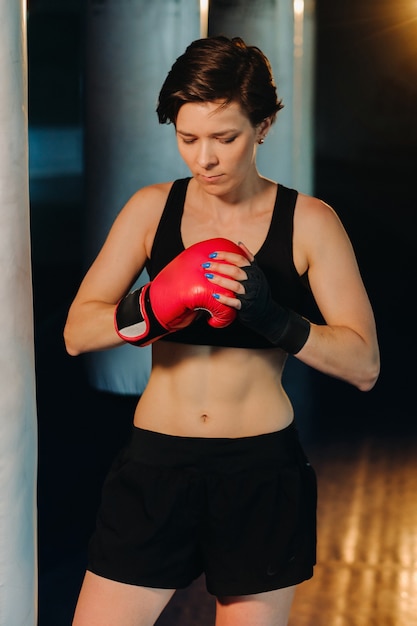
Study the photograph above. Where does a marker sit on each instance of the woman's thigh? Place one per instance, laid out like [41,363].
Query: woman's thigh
[271,608]
[104,602]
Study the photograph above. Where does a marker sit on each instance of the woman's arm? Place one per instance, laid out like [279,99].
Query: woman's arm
[346,347]
[90,321]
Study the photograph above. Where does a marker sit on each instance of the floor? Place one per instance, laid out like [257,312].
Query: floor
[367,550]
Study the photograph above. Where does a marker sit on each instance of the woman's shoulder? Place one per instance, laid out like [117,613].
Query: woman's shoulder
[147,203]
[314,214]
[153,195]
[317,228]
[142,212]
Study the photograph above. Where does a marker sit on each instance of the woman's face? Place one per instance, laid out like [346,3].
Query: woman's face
[218,144]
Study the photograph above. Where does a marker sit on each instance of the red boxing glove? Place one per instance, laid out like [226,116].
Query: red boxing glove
[172,300]
[182,287]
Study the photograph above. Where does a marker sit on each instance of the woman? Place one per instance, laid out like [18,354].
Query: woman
[214,479]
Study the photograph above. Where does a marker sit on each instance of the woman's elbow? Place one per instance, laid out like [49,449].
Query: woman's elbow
[370,375]
[69,341]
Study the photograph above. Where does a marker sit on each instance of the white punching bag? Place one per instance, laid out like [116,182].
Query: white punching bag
[130,47]
[18,433]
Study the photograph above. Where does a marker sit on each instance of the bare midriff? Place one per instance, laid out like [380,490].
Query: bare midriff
[204,391]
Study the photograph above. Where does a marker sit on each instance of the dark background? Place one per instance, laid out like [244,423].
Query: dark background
[365,167]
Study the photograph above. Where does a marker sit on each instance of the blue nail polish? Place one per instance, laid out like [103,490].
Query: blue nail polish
[208,275]
[205,265]
[215,295]
[212,255]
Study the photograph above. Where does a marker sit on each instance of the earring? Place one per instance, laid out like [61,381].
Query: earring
[261,140]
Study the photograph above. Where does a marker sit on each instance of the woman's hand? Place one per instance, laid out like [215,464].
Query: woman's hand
[227,269]
[284,328]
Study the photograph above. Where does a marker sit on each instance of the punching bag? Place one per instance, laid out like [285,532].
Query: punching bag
[130,47]
[18,433]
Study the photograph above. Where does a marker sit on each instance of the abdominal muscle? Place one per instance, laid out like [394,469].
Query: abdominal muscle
[204,391]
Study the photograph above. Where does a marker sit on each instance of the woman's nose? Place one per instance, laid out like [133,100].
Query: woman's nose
[207,157]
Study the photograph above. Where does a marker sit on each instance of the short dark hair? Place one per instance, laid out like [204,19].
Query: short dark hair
[219,68]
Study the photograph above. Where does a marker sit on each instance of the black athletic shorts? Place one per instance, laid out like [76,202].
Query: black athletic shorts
[243,511]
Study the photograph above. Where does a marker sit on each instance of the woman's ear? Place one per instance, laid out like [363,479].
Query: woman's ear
[263,129]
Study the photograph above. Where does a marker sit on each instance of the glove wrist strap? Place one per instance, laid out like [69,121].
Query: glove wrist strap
[294,334]
[135,321]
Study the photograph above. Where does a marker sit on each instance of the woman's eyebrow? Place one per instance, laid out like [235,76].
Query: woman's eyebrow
[219,133]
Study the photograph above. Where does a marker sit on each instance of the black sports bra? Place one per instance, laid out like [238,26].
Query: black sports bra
[275,258]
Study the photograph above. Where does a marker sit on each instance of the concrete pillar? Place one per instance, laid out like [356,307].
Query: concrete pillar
[18,431]
[284,30]
[130,47]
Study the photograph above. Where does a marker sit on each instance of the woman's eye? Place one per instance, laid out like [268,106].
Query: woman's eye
[188,141]
[228,140]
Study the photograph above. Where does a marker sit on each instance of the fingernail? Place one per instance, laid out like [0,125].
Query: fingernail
[208,275]
[215,295]
[205,265]
[213,255]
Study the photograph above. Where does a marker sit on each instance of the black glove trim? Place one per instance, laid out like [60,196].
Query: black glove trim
[135,321]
